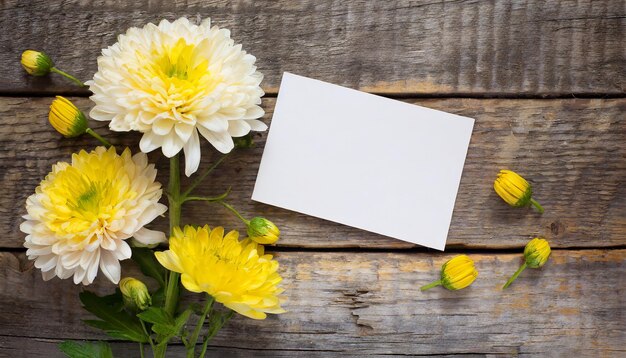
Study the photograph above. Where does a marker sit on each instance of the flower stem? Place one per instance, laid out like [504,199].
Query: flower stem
[204,198]
[510,281]
[145,331]
[191,348]
[171,291]
[203,176]
[172,287]
[141,350]
[67,75]
[431,285]
[234,211]
[98,137]
[537,205]
[213,331]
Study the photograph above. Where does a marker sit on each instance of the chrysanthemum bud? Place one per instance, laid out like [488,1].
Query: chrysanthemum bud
[458,273]
[263,231]
[66,118]
[36,63]
[515,190]
[135,294]
[536,254]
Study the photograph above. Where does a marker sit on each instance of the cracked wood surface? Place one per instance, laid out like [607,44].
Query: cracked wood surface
[512,48]
[571,150]
[370,304]
[344,300]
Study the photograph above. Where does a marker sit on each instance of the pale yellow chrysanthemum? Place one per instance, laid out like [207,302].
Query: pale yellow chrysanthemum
[83,211]
[236,273]
[175,80]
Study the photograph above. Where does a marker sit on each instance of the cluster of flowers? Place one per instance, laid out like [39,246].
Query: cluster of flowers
[174,82]
[460,271]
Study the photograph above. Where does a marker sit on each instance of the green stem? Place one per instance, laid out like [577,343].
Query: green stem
[141,350]
[510,281]
[191,348]
[537,205]
[145,331]
[204,198]
[430,285]
[172,286]
[98,137]
[65,74]
[213,332]
[229,207]
[203,176]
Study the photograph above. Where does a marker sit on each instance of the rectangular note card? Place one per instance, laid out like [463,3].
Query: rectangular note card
[362,160]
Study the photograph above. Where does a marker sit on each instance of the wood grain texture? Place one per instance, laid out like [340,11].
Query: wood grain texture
[571,150]
[370,304]
[492,48]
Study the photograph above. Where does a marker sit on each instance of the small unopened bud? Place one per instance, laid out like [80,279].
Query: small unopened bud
[515,190]
[135,294]
[536,254]
[456,274]
[263,231]
[36,63]
[66,118]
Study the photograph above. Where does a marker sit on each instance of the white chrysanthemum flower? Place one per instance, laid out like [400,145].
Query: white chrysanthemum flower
[82,213]
[174,80]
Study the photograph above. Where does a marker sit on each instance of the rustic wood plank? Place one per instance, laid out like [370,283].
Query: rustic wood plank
[572,150]
[529,47]
[370,303]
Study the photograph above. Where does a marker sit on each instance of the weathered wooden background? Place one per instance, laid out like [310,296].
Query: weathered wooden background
[546,82]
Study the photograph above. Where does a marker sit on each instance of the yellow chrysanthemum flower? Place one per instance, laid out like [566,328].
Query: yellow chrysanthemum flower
[135,294]
[83,212]
[515,190]
[536,254]
[456,274]
[236,273]
[177,81]
[36,63]
[263,231]
[66,118]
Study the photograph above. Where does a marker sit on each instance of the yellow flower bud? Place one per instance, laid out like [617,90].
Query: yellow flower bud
[135,294]
[66,118]
[515,190]
[263,231]
[36,63]
[456,274]
[536,254]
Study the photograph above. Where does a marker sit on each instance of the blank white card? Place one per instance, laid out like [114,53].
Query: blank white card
[362,160]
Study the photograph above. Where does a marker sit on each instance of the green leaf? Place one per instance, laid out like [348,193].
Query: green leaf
[156,315]
[113,319]
[149,265]
[162,322]
[74,349]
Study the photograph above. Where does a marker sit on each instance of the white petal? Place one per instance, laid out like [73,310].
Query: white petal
[162,126]
[171,145]
[150,142]
[192,154]
[254,113]
[110,266]
[221,141]
[149,237]
[238,128]
[257,125]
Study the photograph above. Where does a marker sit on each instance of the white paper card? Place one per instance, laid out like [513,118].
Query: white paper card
[362,160]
